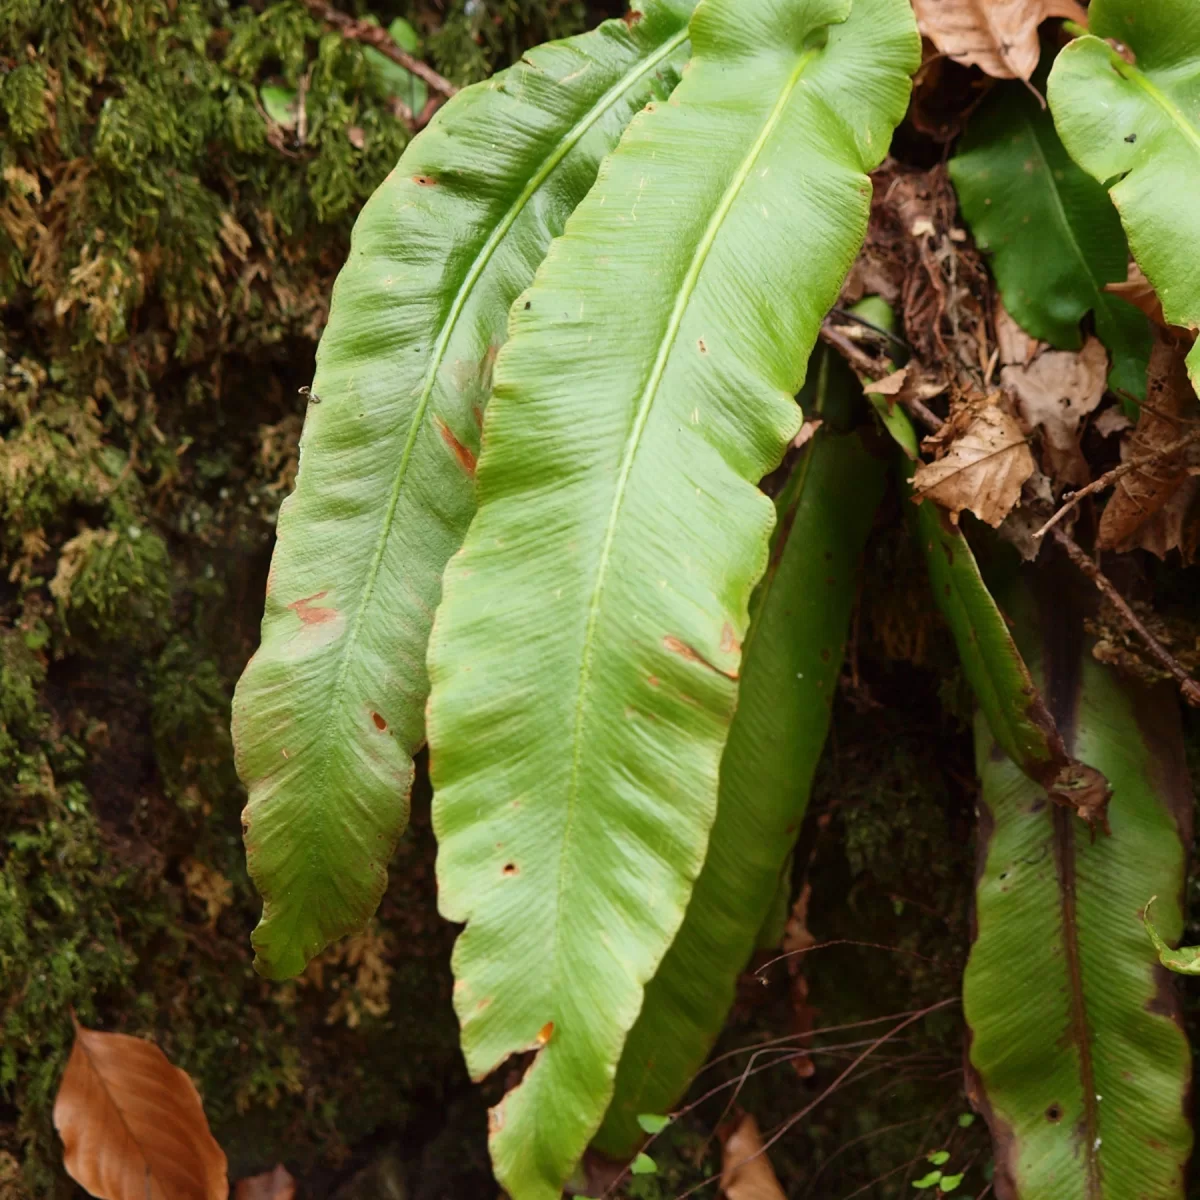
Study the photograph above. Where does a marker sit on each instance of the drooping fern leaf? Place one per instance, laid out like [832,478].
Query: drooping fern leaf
[791,663]
[585,657]
[331,708]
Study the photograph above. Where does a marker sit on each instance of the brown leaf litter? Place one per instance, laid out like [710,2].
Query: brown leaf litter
[998,36]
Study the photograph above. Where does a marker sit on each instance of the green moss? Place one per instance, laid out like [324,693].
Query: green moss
[167,253]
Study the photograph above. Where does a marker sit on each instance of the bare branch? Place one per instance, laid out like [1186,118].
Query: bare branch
[381,40]
[1072,499]
[1187,685]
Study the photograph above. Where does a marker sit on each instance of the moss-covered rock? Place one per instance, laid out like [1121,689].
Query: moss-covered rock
[168,244]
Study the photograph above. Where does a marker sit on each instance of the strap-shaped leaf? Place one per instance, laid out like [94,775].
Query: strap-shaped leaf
[1079,1061]
[1004,689]
[799,617]
[1135,126]
[585,656]
[1053,235]
[331,709]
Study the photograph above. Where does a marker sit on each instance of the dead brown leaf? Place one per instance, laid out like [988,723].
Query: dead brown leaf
[746,1171]
[1111,420]
[132,1125]
[889,385]
[998,36]
[983,468]
[797,938]
[1055,392]
[270,1185]
[1146,491]
[1015,345]
[1137,290]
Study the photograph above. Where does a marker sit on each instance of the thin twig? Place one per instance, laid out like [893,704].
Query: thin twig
[377,36]
[847,315]
[1187,685]
[1072,499]
[849,349]
[783,1128]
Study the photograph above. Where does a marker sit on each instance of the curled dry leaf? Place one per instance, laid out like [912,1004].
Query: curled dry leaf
[1148,490]
[1137,290]
[270,1185]
[132,1125]
[1015,345]
[999,36]
[1055,392]
[983,468]
[746,1172]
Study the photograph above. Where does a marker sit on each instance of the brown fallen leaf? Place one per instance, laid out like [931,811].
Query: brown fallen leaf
[999,36]
[1146,491]
[797,938]
[1055,392]
[746,1172]
[982,470]
[1137,290]
[1015,345]
[270,1185]
[889,385]
[132,1125]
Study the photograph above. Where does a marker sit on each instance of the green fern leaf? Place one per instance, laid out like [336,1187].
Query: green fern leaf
[1053,235]
[585,656]
[331,708]
[791,662]
[1080,1064]
[1135,127]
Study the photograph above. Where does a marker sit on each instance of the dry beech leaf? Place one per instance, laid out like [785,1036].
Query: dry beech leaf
[982,470]
[1055,392]
[1137,290]
[1015,345]
[270,1185]
[1111,420]
[743,1175]
[889,385]
[132,1125]
[999,36]
[1145,492]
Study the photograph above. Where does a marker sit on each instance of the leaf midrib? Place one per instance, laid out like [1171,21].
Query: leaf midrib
[632,444]
[1140,79]
[1062,213]
[478,266]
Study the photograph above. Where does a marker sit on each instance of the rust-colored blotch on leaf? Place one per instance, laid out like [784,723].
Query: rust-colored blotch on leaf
[132,1125]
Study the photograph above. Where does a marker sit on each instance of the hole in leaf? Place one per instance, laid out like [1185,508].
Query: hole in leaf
[1054,1113]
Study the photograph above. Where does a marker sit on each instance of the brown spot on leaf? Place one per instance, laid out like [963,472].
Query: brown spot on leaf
[380,723]
[466,459]
[1054,1113]
[652,680]
[313,616]
[729,640]
[675,646]
[703,347]
[511,869]
[545,1033]
[425,180]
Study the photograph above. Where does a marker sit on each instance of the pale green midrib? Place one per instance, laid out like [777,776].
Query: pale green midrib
[1062,212]
[645,402]
[1164,102]
[478,266]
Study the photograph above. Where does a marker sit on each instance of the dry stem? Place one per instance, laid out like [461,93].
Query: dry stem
[381,40]
[1187,685]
